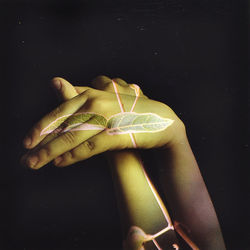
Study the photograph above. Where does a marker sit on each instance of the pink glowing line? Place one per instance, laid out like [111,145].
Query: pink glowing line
[164,211]
[184,236]
[117,96]
[122,110]
[175,246]
[157,245]
[133,140]
[43,133]
[136,88]
[85,126]
[169,227]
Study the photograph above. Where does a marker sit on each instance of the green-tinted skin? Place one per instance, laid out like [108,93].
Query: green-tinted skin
[181,180]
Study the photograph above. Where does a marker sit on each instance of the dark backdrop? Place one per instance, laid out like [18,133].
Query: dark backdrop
[188,54]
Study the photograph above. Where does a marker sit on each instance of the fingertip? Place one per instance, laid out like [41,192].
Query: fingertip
[28,163]
[57,83]
[27,142]
[57,161]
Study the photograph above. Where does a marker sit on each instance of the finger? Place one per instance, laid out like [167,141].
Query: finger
[101,82]
[97,144]
[80,89]
[128,89]
[121,82]
[65,92]
[135,87]
[115,85]
[61,144]
[107,84]
[65,89]
[64,110]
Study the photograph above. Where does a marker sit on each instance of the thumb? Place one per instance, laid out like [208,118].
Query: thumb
[64,89]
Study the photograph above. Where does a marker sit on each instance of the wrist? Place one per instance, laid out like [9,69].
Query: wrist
[178,135]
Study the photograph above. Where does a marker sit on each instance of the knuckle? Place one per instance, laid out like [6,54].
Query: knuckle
[120,81]
[102,82]
[88,146]
[37,129]
[68,138]
[55,113]
[108,86]
[68,156]
[101,78]
[45,152]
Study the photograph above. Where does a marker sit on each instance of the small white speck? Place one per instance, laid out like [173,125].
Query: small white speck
[19,22]
[156,53]
[119,19]
[22,41]
[141,28]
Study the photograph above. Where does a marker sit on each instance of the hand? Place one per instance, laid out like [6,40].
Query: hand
[73,146]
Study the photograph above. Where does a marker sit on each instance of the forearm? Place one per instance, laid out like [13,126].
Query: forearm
[188,197]
[138,202]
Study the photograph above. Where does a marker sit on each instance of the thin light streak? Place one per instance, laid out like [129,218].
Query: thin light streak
[122,110]
[184,236]
[136,88]
[175,246]
[151,237]
[157,245]
[117,96]
[133,140]
[160,203]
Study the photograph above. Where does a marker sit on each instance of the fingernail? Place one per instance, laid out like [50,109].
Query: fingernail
[58,160]
[32,161]
[57,84]
[27,142]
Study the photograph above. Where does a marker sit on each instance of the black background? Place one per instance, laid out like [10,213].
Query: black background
[190,55]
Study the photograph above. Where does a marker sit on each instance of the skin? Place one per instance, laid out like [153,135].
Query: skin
[128,176]
[74,146]
[187,196]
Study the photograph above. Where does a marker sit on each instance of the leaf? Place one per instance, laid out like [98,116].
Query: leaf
[53,126]
[76,122]
[131,122]
[121,123]
[85,121]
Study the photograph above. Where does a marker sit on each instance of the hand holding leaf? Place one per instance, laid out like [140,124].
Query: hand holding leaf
[92,122]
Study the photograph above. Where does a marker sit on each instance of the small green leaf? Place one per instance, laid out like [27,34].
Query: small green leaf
[131,122]
[121,123]
[76,122]
[85,121]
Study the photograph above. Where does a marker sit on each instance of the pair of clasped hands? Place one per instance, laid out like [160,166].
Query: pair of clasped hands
[76,145]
